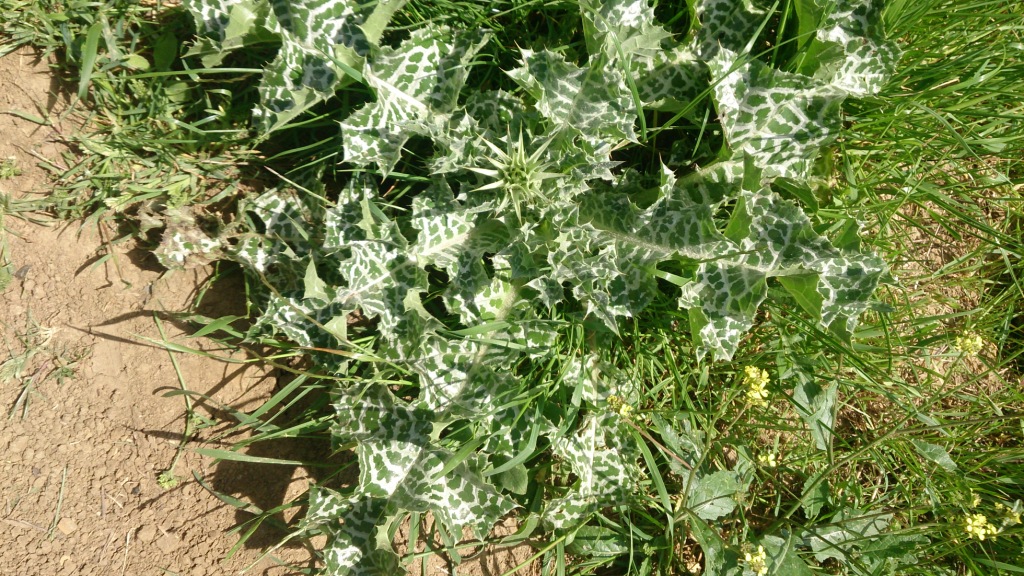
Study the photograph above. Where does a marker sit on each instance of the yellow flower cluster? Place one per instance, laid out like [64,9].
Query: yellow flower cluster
[756,381]
[769,459]
[979,527]
[969,343]
[1011,513]
[617,404]
[757,561]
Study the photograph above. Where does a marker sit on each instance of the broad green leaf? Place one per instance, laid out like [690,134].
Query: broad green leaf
[886,554]
[711,496]
[591,541]
[165,51]
[783,558]
[315,288]
[685,442]
[935,453]
[808,15]
[515,479]
[804,289]
[816,406]
[801,365]
[848,532]
[719,558]
[815,496]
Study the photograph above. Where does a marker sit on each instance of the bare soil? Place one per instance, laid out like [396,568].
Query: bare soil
[87,426]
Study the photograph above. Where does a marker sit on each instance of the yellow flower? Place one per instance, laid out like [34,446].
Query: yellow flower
[757,561]
[769,459]
[1012,517]
[617,404]
[756,380]
[979,527]
[969,343]
[1011,514]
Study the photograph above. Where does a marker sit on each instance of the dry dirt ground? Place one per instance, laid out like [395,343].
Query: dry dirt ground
[86,425]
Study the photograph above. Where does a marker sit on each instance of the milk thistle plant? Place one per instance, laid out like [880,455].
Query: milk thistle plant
[533,230]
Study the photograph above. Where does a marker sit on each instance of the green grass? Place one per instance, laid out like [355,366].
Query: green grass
[898,432]
[154,136]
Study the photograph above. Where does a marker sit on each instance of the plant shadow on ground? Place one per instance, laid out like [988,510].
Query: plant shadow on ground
[275,492]
[269,498]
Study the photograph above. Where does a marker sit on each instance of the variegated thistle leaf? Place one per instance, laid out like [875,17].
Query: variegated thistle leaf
[323,45]
[604,456]
[667,75]
[353,525]
[864,60]
[591,100]
[321,41]
[780,119]
[402,467]
[783,243]
[722,303]
[784,119]
[417,86]
[226,25]
[524,204]
[282,250]
[609,248]
[775,239]
[727,24]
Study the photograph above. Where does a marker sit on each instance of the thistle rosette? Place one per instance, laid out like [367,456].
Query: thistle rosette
[526,224]
[521,179]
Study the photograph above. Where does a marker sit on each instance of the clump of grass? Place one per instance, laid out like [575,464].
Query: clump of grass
[153,135]
[9,168]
